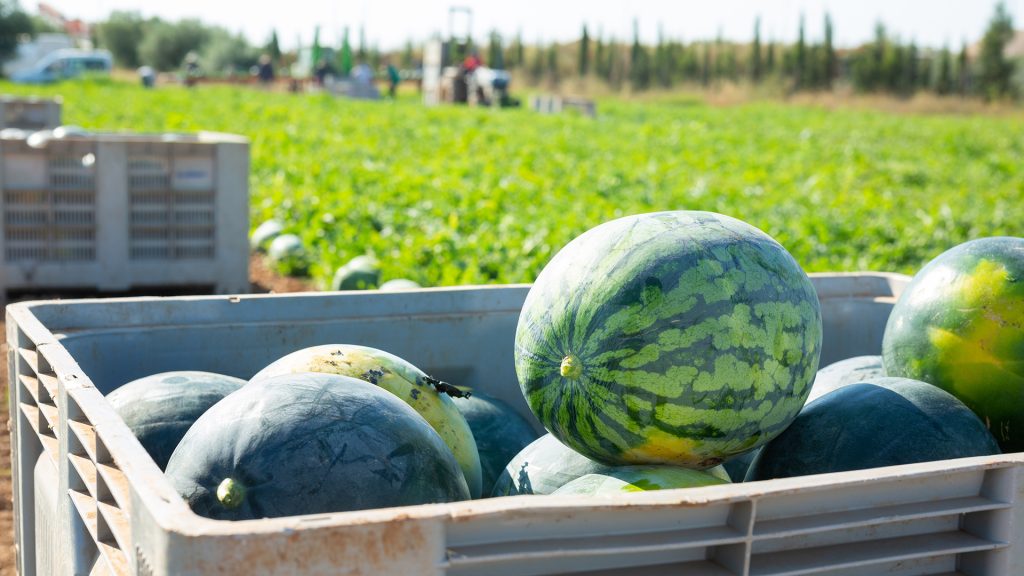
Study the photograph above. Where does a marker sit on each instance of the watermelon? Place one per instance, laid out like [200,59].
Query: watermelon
[880,422]
[311,444]
[359,273]
[546,465]
[737,466]
[500,433]
[264,234]
[399,284]
[845,372]
[159,409]
[625,479]
[679,338]
[400,378]
[289,255]
[960,326]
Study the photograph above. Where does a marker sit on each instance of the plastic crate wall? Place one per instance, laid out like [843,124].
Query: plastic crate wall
[29,113]
[115,212]
[120,515]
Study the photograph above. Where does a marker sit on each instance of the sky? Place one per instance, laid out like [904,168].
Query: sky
[389,23]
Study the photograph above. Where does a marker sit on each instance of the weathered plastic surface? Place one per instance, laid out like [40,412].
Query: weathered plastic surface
[29,113]
[118,212]
[121,516]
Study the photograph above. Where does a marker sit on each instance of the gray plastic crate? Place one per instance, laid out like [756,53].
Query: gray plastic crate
[29,113]
[116,513]
[118,212]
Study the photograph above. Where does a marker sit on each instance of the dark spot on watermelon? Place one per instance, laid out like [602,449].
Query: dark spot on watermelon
[372,376]
[415,394]
[446,388]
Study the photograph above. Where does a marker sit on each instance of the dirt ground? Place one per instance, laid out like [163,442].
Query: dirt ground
[263,280]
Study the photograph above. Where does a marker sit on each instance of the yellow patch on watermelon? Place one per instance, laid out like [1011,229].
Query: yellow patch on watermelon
[970,357]
[663,447]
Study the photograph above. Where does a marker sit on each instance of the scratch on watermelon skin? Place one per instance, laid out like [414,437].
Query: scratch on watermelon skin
[694,337]
[960,326]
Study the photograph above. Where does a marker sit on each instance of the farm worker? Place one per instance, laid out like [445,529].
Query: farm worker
[147,75]
[393,80]
[192,71]
[471,63]
[323,69]
[265,70]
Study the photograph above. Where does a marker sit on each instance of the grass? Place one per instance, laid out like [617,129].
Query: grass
[457,196]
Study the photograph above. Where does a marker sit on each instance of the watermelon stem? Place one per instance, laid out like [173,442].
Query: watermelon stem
[571,367]
[230,493]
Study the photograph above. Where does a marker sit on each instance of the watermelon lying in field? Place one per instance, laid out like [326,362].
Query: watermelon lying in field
[159,409]
[311,444]
[359,273]
[264,234]
[499,431]
[960,326]
[677,337]
[625,479]
[880,422]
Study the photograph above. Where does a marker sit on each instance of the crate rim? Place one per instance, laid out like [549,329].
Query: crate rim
[171,512]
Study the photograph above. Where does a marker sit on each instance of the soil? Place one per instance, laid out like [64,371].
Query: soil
[263,279]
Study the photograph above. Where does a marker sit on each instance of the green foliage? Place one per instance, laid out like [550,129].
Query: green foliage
[122,34]
[273,47]
[451,195]
[165,45]
[43,26]
[995,70]
[495,52]
[224,53]
[584,67]
[13,23]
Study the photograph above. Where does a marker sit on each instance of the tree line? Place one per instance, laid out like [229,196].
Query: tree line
[887,63]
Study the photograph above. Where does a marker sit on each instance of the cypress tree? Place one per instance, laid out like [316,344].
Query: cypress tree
[584,52]
[755,52]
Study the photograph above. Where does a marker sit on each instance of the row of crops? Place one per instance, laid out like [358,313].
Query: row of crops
[453,196]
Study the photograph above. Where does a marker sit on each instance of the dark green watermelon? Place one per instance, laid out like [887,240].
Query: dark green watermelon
[737,466]
[844,373]
[678,338]
[311,444]
[159,409]
[546,465]
[626,479]
[960,326]
[881,422]
[500,433]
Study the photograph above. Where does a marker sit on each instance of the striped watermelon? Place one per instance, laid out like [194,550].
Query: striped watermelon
[960,326]
[669,338]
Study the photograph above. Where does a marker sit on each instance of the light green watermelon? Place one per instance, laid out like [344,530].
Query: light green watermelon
[264,234]
[546,465]
[844,373]
[399,284]
[678,338]
[625,479]
[959,325]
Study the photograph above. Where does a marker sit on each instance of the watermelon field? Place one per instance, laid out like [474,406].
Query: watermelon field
[450,196]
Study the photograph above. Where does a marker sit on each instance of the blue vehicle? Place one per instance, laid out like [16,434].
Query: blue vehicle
[64,65]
